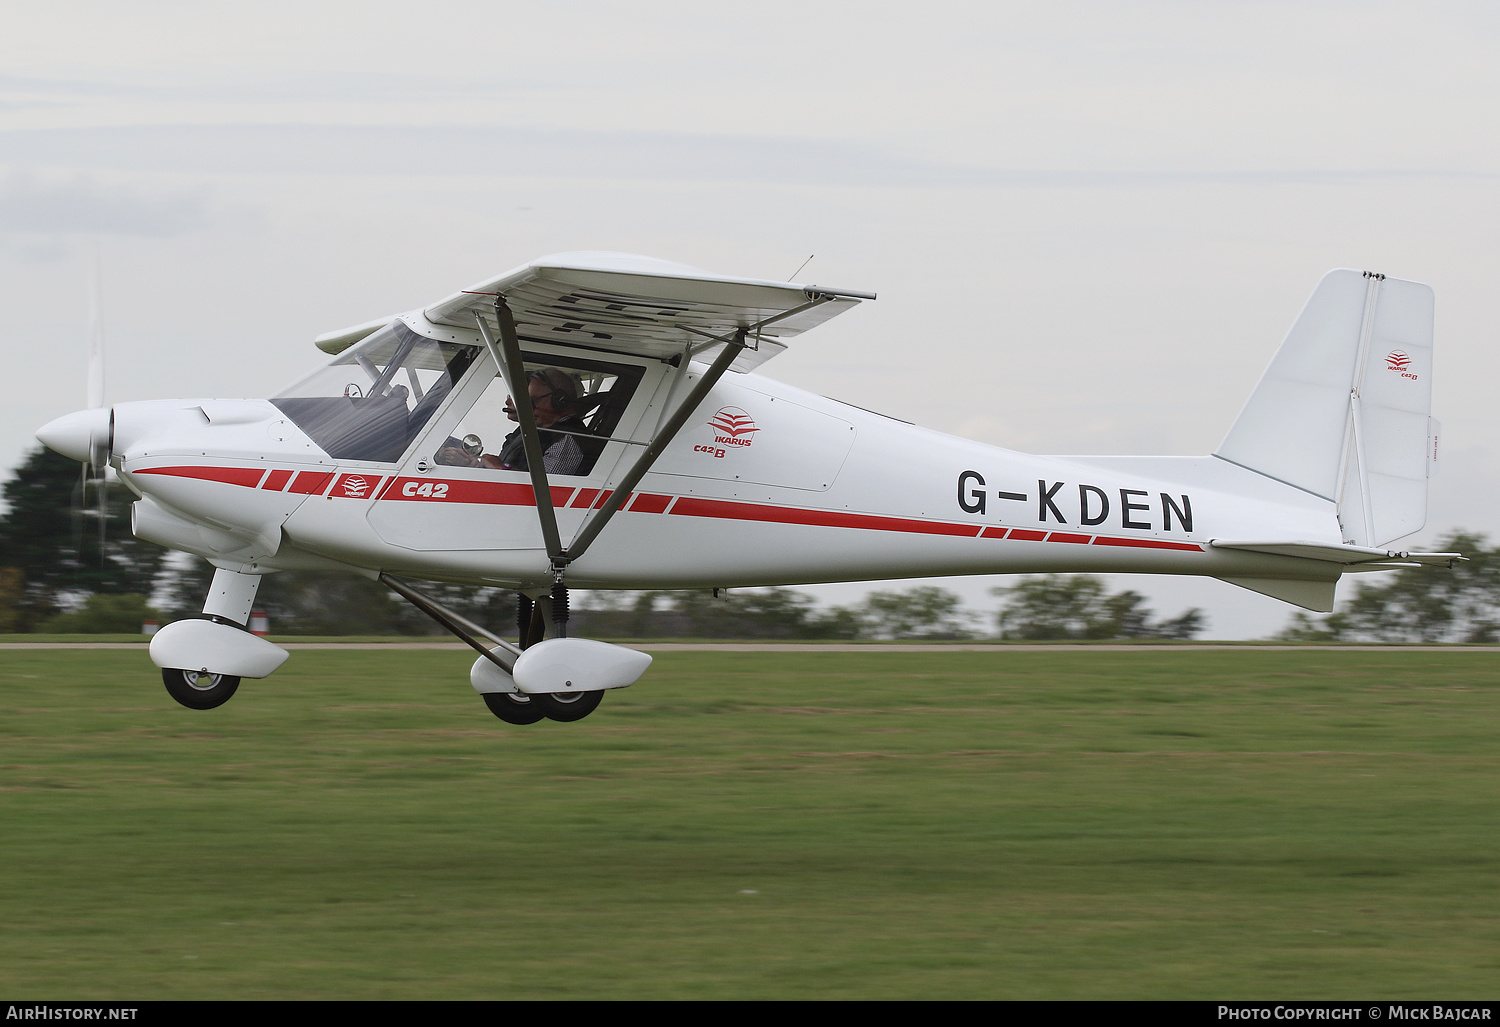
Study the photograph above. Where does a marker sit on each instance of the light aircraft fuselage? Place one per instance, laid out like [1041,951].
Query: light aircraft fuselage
[650,455]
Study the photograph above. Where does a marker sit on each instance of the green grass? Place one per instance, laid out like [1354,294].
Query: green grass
[776,825]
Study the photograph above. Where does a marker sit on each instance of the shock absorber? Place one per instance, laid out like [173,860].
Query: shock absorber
[560,609]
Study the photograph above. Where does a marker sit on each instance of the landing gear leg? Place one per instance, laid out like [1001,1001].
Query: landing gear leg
[530,622]
[230,598]
[534,618]
[512,707]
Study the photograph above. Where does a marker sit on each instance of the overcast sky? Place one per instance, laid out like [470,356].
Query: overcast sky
[1098,219]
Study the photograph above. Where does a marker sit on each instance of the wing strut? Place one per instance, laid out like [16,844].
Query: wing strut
[666,434]
[508,357]
[507,354]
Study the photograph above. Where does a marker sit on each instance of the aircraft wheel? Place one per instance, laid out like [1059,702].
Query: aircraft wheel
[198,691]
[513,709]
[568,706]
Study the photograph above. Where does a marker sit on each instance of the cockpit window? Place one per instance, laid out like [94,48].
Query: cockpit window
[371,401]
[578,402]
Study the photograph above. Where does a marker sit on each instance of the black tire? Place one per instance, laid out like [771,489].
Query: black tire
[513,709]
[567,706]
[199,691]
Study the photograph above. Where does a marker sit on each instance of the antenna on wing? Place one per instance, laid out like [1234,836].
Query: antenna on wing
[806,262]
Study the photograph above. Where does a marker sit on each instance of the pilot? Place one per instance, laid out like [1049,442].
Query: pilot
[554,405]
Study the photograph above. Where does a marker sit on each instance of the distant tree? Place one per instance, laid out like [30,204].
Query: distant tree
[616,614]
[1053,606]
[1302,628]
[923,612]
[1076,606]
[12,599]
[1419,604]
[698,613]
[50,535]
[103,613]
[340,603]
[1182,627]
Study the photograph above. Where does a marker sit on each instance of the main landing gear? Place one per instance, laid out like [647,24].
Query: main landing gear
[566,707]
[547,676]
[514,708]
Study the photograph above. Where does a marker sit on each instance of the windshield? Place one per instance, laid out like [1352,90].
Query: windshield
[371,401]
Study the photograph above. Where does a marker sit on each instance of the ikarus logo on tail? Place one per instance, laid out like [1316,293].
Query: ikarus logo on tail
[1398,361]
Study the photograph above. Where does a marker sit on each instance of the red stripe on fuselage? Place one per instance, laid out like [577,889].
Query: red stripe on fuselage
[1149,543]
[502,493]
[694,507]
[311,483]
[247,477]
[645,502]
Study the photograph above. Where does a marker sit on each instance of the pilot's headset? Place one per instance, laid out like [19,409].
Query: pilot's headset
[563,401]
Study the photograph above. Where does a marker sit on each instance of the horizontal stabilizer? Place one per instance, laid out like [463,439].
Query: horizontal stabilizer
[1339,554]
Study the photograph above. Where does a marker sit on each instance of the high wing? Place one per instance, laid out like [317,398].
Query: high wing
[621,303]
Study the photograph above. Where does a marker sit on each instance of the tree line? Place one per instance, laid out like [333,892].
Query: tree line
[59,572]
[1418,604]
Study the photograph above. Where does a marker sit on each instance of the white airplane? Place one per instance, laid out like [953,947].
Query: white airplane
[650,456]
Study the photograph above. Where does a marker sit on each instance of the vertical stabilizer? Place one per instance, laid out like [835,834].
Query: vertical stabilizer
[1344,409]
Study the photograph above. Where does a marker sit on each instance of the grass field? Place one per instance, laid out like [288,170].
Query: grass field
[1241,824]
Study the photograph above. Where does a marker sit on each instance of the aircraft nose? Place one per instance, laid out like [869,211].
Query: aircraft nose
[78,435]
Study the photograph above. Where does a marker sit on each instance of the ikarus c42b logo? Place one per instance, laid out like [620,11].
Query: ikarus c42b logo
[1398,361]
[732,426]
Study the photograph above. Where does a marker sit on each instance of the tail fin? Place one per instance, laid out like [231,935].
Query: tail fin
[1344,410]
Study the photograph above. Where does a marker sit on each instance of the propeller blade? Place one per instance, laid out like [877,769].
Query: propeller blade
[75,508]
[96,335]
[103,485]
